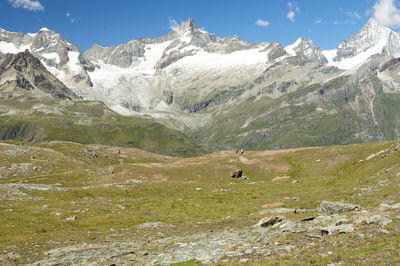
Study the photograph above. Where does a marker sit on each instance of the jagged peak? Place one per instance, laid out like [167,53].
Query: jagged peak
[373,25]
[188,25]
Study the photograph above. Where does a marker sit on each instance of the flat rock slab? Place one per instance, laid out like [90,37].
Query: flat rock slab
[337,207]
[269,221]
[285,210]
[375,219]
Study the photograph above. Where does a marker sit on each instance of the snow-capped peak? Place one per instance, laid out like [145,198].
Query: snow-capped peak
[373,38]
[291,48]
[44,29]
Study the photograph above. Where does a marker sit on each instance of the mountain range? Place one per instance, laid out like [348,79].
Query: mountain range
[226,92]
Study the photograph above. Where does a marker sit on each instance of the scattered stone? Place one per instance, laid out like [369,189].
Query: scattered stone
[35,167]
[295,181]
[243,261]
[269,221]
[12,256]
[341,221]
[233,254]
[341,229]
[313,236]
[384,206]
[199,189]
[285,210]
[395,206]
[121,207]
[337,207]
[248,251]
[291,198]
[272,205]
[277,211]
[288,226]
[378,219]
[237,174]
[279,178]
[154,225]
[72,218]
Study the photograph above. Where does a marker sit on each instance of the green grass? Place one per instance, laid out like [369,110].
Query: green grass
[168,192]
[304,118]
[90,122]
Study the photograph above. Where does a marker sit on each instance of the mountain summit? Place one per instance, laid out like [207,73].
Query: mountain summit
[189,25]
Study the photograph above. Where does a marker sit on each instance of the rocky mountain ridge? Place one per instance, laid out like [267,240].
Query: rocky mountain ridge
[24,71]
[193,81]
[63,59]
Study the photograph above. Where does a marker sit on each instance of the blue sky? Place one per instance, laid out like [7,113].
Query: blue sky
[106,22]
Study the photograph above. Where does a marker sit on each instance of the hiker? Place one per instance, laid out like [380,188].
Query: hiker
[241,152]
[237,151]
[119,151]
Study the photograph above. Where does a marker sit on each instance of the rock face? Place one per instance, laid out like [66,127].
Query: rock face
[63,59]
[336,207]
[372,38]
[307,48]
[26,72]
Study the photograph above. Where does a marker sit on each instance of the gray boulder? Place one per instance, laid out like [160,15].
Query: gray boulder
[337,207]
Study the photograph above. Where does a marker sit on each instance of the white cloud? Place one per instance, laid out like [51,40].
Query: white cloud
[318,21]
[31,5]
[173,25]
[344,22]
[262,23]
[72,20]
[353,15]
[291,15]
[68,14]
[386,13]
[293,9]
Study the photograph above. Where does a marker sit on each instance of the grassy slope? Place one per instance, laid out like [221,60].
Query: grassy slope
[295,121]
[91,122]
[169,191]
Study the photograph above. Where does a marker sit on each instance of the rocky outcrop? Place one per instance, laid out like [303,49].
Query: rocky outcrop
[237,173]
[337,207]
[63,59]
[26,72]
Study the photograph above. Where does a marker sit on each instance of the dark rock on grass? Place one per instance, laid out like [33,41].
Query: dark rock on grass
[337,207]
[237,174]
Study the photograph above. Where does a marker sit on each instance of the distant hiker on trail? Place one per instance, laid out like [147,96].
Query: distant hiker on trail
[241,152]
[237,151]
[119,151]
